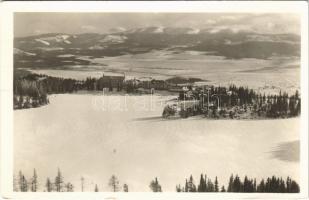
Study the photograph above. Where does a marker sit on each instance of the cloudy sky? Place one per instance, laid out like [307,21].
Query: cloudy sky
[26,24]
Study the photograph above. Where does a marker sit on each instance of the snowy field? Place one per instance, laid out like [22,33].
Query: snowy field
[96,136]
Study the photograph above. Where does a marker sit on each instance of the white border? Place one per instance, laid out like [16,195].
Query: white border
[6,72]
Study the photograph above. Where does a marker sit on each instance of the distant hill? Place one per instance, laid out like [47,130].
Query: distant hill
[44,50]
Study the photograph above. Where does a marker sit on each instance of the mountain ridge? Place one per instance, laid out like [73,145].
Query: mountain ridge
[227,43]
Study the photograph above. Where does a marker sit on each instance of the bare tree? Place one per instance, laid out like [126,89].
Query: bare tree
[114,183]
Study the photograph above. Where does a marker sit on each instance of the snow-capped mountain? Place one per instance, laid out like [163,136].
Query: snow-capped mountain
[235,44]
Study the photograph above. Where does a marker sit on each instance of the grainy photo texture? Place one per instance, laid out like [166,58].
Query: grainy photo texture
[157,102]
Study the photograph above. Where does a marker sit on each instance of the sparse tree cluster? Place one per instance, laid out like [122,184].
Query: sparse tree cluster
[32,184]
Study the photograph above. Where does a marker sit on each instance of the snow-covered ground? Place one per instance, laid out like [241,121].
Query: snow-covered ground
[95,136]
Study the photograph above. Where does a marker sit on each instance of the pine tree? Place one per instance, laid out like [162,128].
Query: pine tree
[201,186]
[15,184]
[23,184]
[125,188]
[216,185]
[191,185]
[237,185]
[282,186]
[69,187]
[246,184]
[294,187]
[49,185]
[254,185]
[223,189]
[210,186]
[155,186]
[261,186]
[178,188]
[288,185]
[34,182]
[96,189]
[59,182]
[114,183]
[231,183]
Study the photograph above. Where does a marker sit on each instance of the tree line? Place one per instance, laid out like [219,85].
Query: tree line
[233,99]
[22,184]
[236,184]
[57,184]
[31,90]
[248,185]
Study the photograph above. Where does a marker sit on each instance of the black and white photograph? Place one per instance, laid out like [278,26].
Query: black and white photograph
[181,102]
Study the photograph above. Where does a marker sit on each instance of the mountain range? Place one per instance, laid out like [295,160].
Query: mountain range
[59,49]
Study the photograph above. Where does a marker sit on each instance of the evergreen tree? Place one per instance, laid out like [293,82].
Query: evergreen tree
[202,186]
[216,185]
[223,189]
[155,186]
[294,187]
[15,184]
[49,185]
[282,186]
[96,189]
[261,186]
[288,185]
[114,183]
[23,184]
[230,186]
[246,184]
[191,185]
[59,182]
[69,187]
[186,186]
[125,188]
[210,186]
[34,182]
[178,188]
[237,185]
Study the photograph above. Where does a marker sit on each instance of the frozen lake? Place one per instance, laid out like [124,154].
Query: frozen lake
[96,136]
[269,76]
